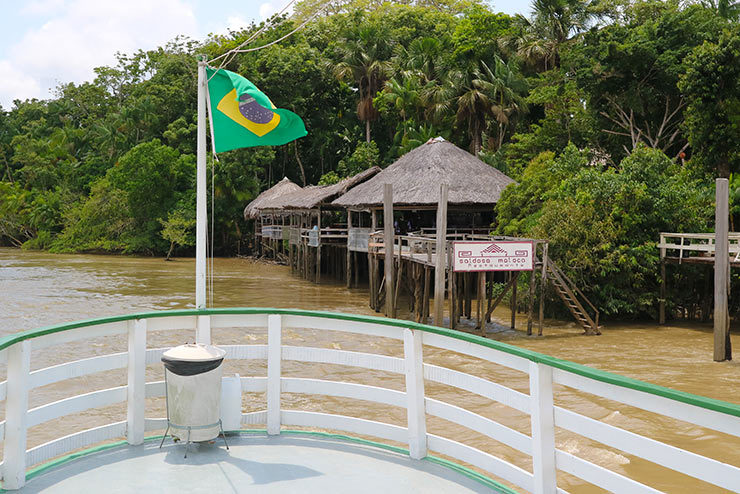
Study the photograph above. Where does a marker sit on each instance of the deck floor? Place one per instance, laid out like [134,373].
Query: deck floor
[254,463]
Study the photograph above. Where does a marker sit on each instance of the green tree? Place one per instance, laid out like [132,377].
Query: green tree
[711,85]
[365,61]
[179,227]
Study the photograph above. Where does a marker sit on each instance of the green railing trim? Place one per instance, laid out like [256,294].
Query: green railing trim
[465,471]
[582,370]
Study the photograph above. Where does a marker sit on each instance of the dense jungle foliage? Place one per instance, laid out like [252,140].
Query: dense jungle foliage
[614,116]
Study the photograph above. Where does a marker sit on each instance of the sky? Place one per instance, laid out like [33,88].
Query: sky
[47,42]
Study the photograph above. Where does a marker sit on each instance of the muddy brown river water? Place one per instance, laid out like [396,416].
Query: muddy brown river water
[38,289]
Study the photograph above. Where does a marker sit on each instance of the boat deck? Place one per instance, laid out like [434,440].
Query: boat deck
[254,463]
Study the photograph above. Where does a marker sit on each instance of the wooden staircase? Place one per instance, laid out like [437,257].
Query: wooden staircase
[574,299]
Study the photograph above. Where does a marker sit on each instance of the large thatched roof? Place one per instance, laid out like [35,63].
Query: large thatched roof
[417,175]
[316,195]
[265,199]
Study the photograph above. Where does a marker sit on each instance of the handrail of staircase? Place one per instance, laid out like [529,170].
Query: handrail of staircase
[567,283]
[578,290]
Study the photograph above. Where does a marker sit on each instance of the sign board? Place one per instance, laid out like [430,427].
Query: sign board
[493,256]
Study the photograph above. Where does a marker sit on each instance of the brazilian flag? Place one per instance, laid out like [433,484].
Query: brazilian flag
[243,116]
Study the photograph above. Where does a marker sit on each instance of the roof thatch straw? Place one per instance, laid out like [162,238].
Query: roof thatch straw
[417,175]
[265,199]
[317,195]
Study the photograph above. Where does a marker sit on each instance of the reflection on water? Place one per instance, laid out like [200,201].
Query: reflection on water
[38,289]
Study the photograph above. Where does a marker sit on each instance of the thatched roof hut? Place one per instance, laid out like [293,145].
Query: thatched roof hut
[318,195]
[268,197]
[417,175]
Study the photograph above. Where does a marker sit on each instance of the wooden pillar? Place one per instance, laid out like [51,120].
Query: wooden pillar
[468,309]
[398,274]
[318,247]
[530,310]
[543,283]
[388,234]
[349,252]
[372,265]
[663,288]
[440,260]
[480,313]
[513,299]
[722,348]
[425,306]
[290,245]
[451,287]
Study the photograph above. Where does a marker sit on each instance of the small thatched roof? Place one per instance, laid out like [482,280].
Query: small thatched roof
[316,195]
[265,199]
[417,175]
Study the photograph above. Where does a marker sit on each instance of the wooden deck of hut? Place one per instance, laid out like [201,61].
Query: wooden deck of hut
[460,192]
[268,228]
[440,194]
[315,230]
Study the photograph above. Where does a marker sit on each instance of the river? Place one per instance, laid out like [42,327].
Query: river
[38,289]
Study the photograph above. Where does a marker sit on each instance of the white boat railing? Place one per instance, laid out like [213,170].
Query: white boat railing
[543,372]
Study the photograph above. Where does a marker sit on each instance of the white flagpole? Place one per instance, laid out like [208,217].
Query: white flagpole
[201,213]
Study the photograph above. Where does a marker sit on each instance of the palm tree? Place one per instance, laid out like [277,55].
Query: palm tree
[727,9]
[474,101]
[509,89]
[403,93]
[365,61]
[552,23]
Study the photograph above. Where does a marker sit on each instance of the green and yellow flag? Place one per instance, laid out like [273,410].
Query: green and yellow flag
[243,116]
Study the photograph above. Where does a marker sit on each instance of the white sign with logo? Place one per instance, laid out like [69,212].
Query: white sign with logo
[493,256]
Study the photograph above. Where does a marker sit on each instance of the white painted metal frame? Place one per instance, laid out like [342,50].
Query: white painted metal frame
[545,416]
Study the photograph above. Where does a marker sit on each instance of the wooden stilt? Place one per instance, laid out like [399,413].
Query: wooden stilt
[441,258]
[513,300]
[722,348]
[543,284]
[425,305]
[661,315]
[530,310]
[503,293]
[349,253]
[399,273]
[480,313]
[388,234]
[451,288]
[469,295]
[318,248]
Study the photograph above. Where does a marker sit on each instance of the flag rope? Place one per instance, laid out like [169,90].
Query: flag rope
[236,50]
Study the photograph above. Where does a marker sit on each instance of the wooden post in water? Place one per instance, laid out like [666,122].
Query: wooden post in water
[439,266]
[373,265]
[661,315]
[451,286]
[425,306]
[513,298]
[349,252]
[388,247]
[543,283]
[318,247]
[722,349]
[530,311]
[481,312]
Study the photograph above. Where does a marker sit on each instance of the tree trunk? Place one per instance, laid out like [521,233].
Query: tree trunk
[169,252]
[300,163]
[367,131]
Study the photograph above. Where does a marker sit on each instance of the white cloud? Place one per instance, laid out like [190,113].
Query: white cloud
[235,23]
[267,9]
[85,35]
[14,84]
